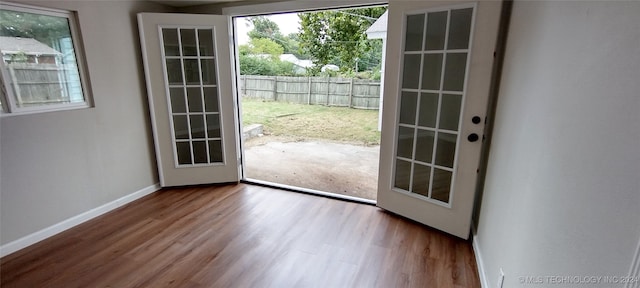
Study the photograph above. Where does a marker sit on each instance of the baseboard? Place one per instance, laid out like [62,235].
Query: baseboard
[74,221]
[479,263]
[634,272]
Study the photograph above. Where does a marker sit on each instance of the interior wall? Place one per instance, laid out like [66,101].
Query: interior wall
[562,189]
[57,165]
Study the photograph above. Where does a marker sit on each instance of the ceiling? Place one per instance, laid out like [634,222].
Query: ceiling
[185,3]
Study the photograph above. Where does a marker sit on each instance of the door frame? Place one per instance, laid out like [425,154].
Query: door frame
[273,9]
[297,6]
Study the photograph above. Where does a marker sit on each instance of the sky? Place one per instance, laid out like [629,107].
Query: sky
[288,23]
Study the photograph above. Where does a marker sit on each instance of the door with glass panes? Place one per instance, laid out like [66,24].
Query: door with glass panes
[435,101]
[190,84]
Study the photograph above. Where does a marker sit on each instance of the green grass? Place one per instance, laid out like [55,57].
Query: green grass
[313,121]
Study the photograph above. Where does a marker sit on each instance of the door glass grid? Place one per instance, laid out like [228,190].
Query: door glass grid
[436,49]
[190,63]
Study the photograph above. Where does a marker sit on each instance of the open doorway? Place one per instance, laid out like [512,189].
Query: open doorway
[310,96]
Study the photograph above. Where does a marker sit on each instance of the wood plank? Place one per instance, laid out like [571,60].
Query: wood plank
[244,236]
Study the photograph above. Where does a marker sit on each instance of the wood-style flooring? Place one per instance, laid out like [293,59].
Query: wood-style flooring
[244,236]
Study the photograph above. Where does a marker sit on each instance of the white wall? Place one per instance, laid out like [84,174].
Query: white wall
[60,164]
[562,195]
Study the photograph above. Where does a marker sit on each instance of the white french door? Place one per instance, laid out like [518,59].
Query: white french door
[436,94]
[190,86]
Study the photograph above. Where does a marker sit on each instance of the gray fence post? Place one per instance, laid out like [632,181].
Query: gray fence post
[309,91]
[328,89]
[275,88]
[350,92]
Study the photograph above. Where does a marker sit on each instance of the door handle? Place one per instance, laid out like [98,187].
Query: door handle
[473,137]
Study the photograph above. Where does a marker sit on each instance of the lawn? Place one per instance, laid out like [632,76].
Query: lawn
[313,121]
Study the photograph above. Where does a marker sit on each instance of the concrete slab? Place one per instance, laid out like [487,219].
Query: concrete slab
[326,166]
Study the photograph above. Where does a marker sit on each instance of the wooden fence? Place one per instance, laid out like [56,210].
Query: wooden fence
[342,92]
[35,84]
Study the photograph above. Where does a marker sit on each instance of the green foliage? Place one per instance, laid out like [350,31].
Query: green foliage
[265,46]
[19,57]
[264,28]
[266,39]
[255,65]
[46,29]
[338,37]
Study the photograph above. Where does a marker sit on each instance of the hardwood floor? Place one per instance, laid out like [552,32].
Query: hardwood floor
[244,236]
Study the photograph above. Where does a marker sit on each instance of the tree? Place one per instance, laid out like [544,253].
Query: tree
[261,57]
[44,28]
[252,65]
[337,36]
[265,46]
[263,27]
[265,39]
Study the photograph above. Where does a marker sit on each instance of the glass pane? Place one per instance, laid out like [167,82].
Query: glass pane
[403,174]
[446,151]
[209,72]
[424,145]
[177,100]
[205,38]
[405,142]
[428,110]
[184,153]
[174,71]
[170,40]
[195,100]
[421,177]
[200,152]
[408,105]
[192,71]
[197,126]
[180,127]
[411,72]
[188,37]
[431,70]
[213,125]
[211,99]
[413,38]
[450,111]
[215,151]
[441,185]
[454,71]
[40,58]
[460,28]
[436,29]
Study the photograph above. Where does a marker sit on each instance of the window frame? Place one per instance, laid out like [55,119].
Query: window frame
[7,96]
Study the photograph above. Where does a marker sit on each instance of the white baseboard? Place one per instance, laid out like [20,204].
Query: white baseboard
[74,221]
[634,272]
[481,272]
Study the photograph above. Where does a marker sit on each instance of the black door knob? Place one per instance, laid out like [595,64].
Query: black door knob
[476,119]
[473,137]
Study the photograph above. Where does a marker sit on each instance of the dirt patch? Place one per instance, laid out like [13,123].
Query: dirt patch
[334,167]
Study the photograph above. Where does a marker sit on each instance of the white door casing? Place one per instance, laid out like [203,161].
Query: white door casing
[418,157]
[190,86]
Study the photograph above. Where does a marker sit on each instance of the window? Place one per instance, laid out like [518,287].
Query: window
[42,66]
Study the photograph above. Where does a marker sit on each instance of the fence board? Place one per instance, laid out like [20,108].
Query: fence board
[334,91]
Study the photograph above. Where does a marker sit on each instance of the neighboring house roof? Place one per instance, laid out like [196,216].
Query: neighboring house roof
[293,59]
[29,46]
[378,29]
